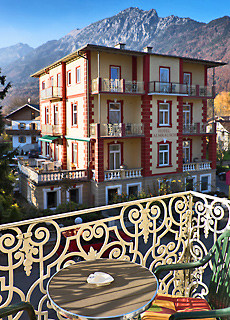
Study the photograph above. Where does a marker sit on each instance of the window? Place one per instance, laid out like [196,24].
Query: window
[164,79]
[55,114]
[114,156]
[33,140]
[47,115]
[22,139]
[51,81]
[56,152]
[74,114]
[164,114]
[43,85]
[69,78]
[59,84]
[111,191]
[133,189]
[186,151]
[205,183]
[115,75]
[190,183]
[47,149]
[164,153]
[75,153]
[51,198]
[186,115]
[78,74]
[21,126]
[75,194]
[187,78]
[114,113]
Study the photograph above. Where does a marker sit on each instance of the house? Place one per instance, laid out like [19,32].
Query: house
[120,120]
[222,131]
[24,127]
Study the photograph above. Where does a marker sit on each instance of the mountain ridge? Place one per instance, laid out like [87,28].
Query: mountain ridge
[137,28]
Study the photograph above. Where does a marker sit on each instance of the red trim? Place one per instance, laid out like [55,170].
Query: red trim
[121,149]
[170,114]
[163,67]
[181,74]
[134,68]
[114,67]
[205,76]
[146,119]
[169,143]
[179,134]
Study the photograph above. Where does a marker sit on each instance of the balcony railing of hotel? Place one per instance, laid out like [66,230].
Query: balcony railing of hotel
[51,129]
[125,173]
[197,165]
[116,130]
[38,175]
[198,128]
[51,93]
[117,85]
[165,229]
[157,87]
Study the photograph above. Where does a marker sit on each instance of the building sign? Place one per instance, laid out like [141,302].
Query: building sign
[164,133]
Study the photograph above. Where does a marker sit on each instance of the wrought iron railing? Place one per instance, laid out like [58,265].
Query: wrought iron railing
[166,229]
[51,93]
[117,85]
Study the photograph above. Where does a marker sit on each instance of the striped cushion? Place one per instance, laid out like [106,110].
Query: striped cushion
[165,305]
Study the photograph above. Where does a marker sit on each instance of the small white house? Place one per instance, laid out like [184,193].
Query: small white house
[25,127]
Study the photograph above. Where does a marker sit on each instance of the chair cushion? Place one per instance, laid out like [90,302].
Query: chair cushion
[165,305]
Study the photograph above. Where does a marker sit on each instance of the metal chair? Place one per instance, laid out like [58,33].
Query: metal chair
[14,308]
[218,304]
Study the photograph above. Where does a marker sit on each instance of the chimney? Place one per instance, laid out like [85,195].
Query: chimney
[148,49]
[120,45]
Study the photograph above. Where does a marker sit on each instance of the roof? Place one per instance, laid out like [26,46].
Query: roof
[78,54]
[32,106]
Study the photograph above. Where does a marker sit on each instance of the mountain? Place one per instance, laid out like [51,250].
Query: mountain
[13,53]
[137,28]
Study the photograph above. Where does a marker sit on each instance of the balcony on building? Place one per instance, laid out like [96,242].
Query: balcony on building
[173,88]
[51,93]
[197,165]
[102,85]
[51,129]
[123,130]
[44,170]
[198,128]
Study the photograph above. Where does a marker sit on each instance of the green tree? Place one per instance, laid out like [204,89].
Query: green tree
[8,210]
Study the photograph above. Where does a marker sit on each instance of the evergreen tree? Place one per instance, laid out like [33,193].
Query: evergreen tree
[8,211]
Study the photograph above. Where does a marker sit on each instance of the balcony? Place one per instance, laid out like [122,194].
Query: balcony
[197,166]
[198,128]
[172,228]
[51,129]
[101,85]
[119,174]
[40,175]
[51,93]
[173,88]
[116,130]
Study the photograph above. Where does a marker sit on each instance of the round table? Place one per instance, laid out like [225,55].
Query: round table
[132,291]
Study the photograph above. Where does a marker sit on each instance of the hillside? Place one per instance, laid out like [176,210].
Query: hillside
[136,28]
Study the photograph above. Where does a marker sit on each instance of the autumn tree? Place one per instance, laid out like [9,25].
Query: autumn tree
[222,104]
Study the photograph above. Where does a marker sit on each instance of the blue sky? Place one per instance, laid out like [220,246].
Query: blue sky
[36,22]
